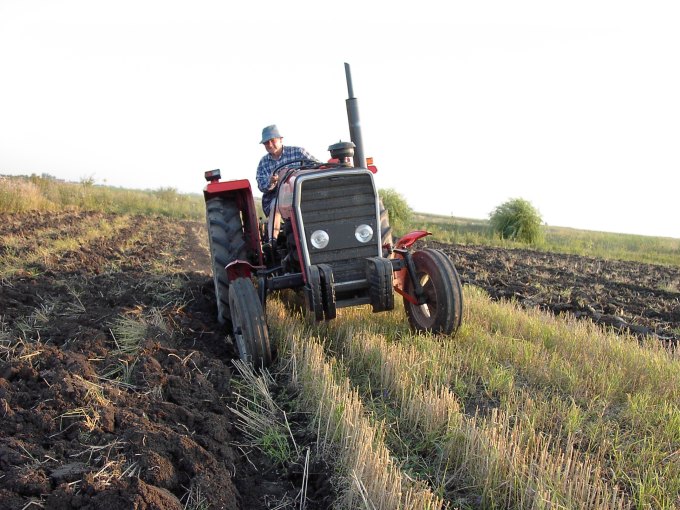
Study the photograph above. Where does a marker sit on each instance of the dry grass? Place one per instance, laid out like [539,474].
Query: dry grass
[346,430]
[259,418]
[128,332]
[18,195]
[105,464]
[94,393]
[45,247]
[46,193]
[120,373]
[194,499]
[522,467]
[87,415]
[14,348]
[522,409]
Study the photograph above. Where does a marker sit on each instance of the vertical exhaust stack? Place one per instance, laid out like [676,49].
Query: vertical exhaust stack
[353,119]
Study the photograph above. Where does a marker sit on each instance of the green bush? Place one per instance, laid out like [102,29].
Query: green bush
[517,220]
[398,209]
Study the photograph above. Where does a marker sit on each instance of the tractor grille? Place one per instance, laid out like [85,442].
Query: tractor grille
[338,203]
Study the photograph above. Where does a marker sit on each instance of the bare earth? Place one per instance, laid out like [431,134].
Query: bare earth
[643,299]
[73,435]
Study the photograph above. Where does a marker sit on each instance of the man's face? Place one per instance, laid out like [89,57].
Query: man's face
[274,146]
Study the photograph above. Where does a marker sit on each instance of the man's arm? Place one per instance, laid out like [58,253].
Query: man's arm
[262,176]
[305,154]
[291,153]
[266,167]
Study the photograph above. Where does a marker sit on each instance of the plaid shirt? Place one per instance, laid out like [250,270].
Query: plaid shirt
[266,167]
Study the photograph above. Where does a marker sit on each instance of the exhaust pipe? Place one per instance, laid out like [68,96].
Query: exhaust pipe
[354,124]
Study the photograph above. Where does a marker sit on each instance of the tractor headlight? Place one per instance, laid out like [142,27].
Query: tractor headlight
[320,239]
[363,233]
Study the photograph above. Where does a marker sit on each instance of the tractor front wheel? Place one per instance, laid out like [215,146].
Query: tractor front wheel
[248,323]
[442,310]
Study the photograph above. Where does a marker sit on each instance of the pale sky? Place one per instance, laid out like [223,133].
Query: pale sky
[573,106]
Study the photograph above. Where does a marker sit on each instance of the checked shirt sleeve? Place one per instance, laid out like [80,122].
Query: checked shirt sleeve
[267,164]
[303,153]
[264,172]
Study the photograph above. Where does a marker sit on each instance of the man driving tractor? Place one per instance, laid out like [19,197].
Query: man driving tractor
[277,156]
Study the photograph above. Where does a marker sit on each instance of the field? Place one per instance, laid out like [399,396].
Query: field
[629,296]
[118,388]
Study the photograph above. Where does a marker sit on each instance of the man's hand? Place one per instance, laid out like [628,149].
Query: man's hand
[273,181]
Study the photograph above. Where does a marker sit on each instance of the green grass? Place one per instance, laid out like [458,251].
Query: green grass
[46,193]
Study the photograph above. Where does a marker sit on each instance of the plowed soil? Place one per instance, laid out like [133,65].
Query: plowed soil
[73,432]
[631,297]
[89,423]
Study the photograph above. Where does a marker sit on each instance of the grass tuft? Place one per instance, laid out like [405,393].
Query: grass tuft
[128,332]
[259,417]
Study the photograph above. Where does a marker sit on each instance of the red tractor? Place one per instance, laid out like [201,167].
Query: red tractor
[334,246]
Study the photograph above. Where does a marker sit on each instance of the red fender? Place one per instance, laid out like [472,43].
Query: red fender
[241,191]
[410,238]
[241,269]
[401,275]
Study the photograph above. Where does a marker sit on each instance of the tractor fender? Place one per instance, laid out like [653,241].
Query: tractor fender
[400,275]
[241,269]
[241,191]
[410,238]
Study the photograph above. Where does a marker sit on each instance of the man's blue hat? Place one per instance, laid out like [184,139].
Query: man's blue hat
[270,132]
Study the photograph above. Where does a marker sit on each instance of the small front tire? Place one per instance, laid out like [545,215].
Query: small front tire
[442,310]
[248,324]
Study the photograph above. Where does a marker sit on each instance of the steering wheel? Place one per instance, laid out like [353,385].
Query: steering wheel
[304,163]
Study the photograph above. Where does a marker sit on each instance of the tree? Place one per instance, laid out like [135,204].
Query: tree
[517,220]
[398,209]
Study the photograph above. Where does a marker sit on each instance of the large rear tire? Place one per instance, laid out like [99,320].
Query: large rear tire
[225,235]
[385,229]
[249,326]
[442,311]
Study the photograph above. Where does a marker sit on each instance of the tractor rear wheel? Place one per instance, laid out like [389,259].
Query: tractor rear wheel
[225,234]
[248,324]
[442,311]
[385,229]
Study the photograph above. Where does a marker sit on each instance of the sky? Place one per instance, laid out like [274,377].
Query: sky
[573,106]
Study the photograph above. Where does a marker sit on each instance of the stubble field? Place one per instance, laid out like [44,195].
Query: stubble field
[117,384]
